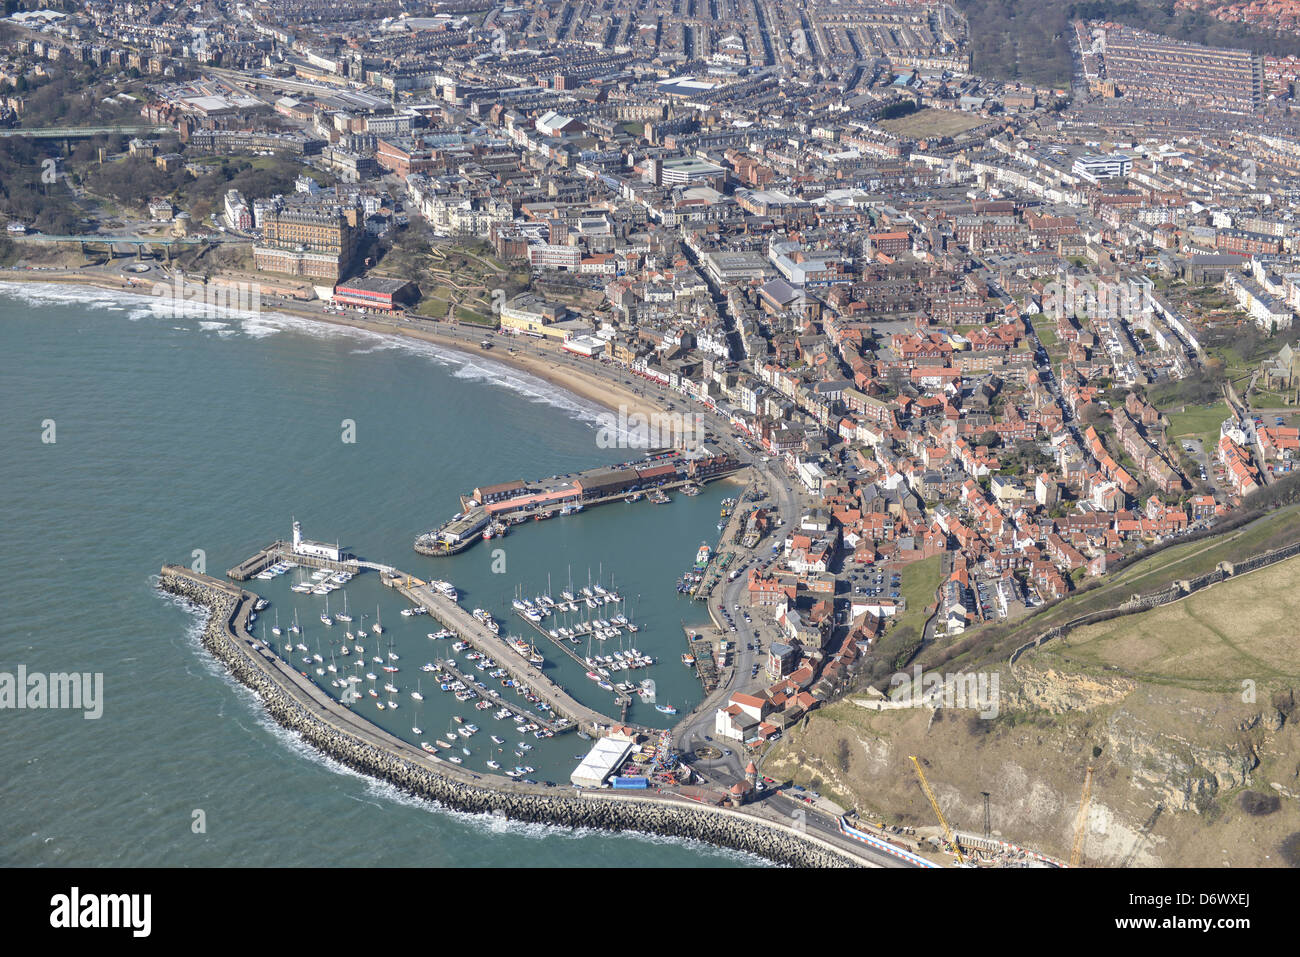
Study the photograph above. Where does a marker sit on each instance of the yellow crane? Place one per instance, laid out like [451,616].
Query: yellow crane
[1077,851]
[934,803]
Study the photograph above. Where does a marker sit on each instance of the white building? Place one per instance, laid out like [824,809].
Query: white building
[605,757]
[309,549]
[1094,168]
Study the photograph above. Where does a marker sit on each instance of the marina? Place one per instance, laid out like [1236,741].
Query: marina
[629,801]
[438,599]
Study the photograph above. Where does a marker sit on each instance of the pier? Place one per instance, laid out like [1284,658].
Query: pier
[283,551]
[470,629]
[510,504]
[498,700]
[559,643]
[701,649]
[721,559]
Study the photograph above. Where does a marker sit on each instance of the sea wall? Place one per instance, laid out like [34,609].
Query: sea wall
[293,709]
[1174,592]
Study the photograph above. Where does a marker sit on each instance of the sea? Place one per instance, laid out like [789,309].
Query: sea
[133,436]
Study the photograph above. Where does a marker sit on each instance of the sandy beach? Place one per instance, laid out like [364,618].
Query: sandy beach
[533,356]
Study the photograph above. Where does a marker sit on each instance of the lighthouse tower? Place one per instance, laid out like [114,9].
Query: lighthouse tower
[297,535]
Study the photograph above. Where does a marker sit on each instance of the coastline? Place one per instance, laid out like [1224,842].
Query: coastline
[537,361]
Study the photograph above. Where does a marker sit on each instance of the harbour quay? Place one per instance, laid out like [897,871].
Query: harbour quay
[301,551]
[493,510]
[300,706]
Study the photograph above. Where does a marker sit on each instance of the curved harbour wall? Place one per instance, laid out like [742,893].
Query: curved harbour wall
[313,720]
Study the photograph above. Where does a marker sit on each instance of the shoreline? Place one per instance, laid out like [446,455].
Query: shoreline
[537,362]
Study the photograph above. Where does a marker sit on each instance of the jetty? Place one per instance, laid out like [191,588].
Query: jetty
[301,706]
[499,700]
[492,510]
[481,638]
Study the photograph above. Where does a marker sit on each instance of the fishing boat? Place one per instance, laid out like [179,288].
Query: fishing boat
[703,555]
[665,708]
[428,747]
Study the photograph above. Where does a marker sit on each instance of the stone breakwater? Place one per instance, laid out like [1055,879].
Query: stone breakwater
[344,738]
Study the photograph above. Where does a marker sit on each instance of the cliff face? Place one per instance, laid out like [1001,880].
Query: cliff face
[1175,769]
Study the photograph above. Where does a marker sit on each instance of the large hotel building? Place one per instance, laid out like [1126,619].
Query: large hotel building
[317,240]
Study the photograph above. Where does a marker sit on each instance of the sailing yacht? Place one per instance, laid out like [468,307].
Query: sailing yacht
[343,615]
[377,627]
[325,618]
[275,629]
[295,628]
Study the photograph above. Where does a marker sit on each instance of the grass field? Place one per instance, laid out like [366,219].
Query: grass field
[1198,421]
[434,308]
[1212,641]
[930,122]
[468,315]
[920,581]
